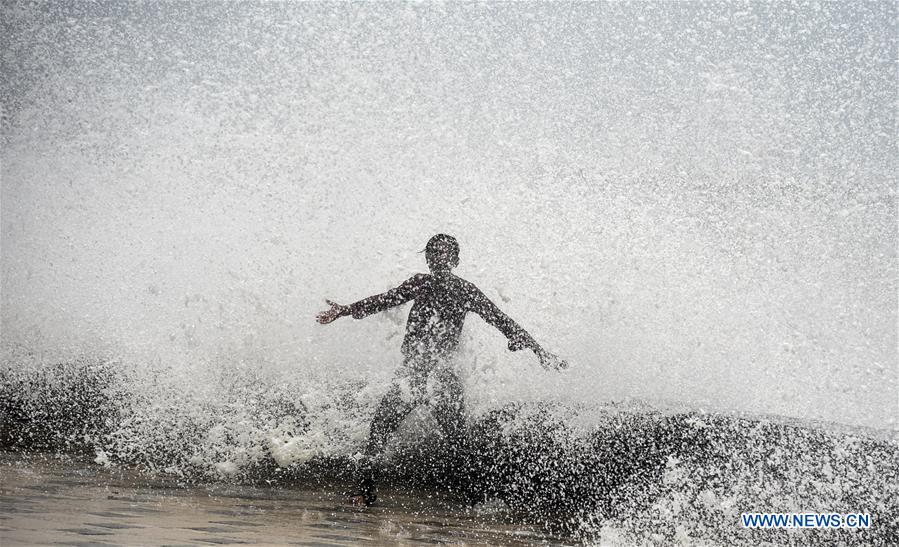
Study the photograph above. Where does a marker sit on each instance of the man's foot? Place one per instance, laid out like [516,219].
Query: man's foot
[361,499]
[365,493]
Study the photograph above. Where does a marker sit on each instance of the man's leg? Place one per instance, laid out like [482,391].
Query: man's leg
[465,475]
[390,413]
[449,406]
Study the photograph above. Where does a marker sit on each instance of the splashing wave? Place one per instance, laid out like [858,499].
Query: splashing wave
[625,473]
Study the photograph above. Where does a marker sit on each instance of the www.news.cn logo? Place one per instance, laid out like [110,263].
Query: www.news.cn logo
[806,520]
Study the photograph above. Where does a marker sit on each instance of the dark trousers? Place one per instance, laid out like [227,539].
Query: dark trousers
[420,380]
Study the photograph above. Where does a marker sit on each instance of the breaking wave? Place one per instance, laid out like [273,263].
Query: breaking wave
[615,473]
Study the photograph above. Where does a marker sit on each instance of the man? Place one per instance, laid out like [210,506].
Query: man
[432,335]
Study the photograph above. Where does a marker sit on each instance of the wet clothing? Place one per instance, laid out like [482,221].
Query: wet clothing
[420,381]
[435,321]
[427,375]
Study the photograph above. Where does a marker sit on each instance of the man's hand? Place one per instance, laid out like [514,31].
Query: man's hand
[517,344]
[549,360]
[336,311]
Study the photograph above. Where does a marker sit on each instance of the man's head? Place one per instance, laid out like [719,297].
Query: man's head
[442,253]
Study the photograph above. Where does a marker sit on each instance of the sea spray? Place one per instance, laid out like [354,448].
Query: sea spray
[693,203]
[635,472]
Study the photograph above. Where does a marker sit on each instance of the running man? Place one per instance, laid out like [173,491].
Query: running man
[432,336]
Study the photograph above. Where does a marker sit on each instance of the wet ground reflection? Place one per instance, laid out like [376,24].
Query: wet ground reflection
[50,501]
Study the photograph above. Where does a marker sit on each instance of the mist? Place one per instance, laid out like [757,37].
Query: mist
[694,205]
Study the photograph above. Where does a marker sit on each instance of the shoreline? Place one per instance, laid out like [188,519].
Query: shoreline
[56,499]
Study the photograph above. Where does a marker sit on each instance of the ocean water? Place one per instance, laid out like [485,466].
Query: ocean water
[695,205]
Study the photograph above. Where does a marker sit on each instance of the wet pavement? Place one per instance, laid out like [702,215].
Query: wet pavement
[46,500]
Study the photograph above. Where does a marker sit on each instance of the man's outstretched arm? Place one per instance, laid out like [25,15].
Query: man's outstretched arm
[517,336]
[373,304]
